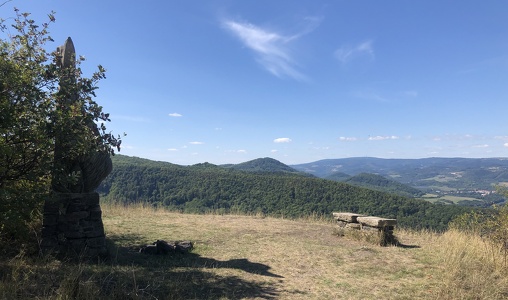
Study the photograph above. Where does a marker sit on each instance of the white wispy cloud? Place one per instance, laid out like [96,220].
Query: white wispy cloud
[282,140]
[172,149]
[458,137]
[196,143]
[382,138]
[347,139]
[481,146]
[346,53]
[175,115]
[272,48]
[321,148]
[241,151]
[505,144]
[274,151]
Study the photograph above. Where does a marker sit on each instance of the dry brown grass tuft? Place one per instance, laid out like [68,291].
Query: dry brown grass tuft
[472,267]
[249,257]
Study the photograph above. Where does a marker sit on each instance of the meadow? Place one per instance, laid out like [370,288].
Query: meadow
[259,257]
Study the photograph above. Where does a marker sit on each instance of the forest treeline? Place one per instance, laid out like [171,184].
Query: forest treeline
[207,187]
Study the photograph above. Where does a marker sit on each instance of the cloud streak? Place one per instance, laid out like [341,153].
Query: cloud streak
[383,138]
[271,48]
[175,115]
[348,139]
[347,53]
[282,140]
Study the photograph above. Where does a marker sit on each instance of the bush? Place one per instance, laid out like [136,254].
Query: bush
[20,216]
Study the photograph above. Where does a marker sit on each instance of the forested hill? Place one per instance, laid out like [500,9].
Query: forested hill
[378,182]
[205,187]
[264,165]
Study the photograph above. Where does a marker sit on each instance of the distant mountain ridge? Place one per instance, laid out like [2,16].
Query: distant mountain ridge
[429,174]
[366,180]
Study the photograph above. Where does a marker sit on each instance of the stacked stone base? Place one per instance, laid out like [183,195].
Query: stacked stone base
[72,225]
[380,228]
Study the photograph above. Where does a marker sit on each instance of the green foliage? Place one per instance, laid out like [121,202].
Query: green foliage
[338,176]
[473,222]
[378,182]
[203,188]
[34,111]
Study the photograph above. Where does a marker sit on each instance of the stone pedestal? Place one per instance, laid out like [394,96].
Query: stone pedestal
[72,224]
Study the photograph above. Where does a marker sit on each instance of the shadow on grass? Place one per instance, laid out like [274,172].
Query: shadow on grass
[400,245]
[191,276]
[129,255]
[127,274]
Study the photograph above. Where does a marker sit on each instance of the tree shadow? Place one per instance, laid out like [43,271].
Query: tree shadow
[129,255]
[400,245]
[190,276]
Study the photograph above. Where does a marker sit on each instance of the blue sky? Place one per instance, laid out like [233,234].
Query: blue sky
[225,81]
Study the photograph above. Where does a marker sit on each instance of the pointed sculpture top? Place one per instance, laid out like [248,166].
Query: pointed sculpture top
[67,54]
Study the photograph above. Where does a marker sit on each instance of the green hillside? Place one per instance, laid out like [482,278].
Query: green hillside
[338,176]
[206,187]
[378,182]
[265,165]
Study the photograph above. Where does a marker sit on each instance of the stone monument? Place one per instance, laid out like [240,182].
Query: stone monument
[72,221]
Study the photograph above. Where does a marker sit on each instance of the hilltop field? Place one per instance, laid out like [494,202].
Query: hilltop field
[258,257]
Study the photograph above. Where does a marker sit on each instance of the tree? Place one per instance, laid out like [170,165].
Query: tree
[32,115]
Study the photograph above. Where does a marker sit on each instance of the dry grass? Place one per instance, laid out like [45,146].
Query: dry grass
[472,267]
[250,257]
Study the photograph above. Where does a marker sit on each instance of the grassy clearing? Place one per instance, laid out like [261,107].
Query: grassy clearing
[456,199]
[256,257]
[449,199]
